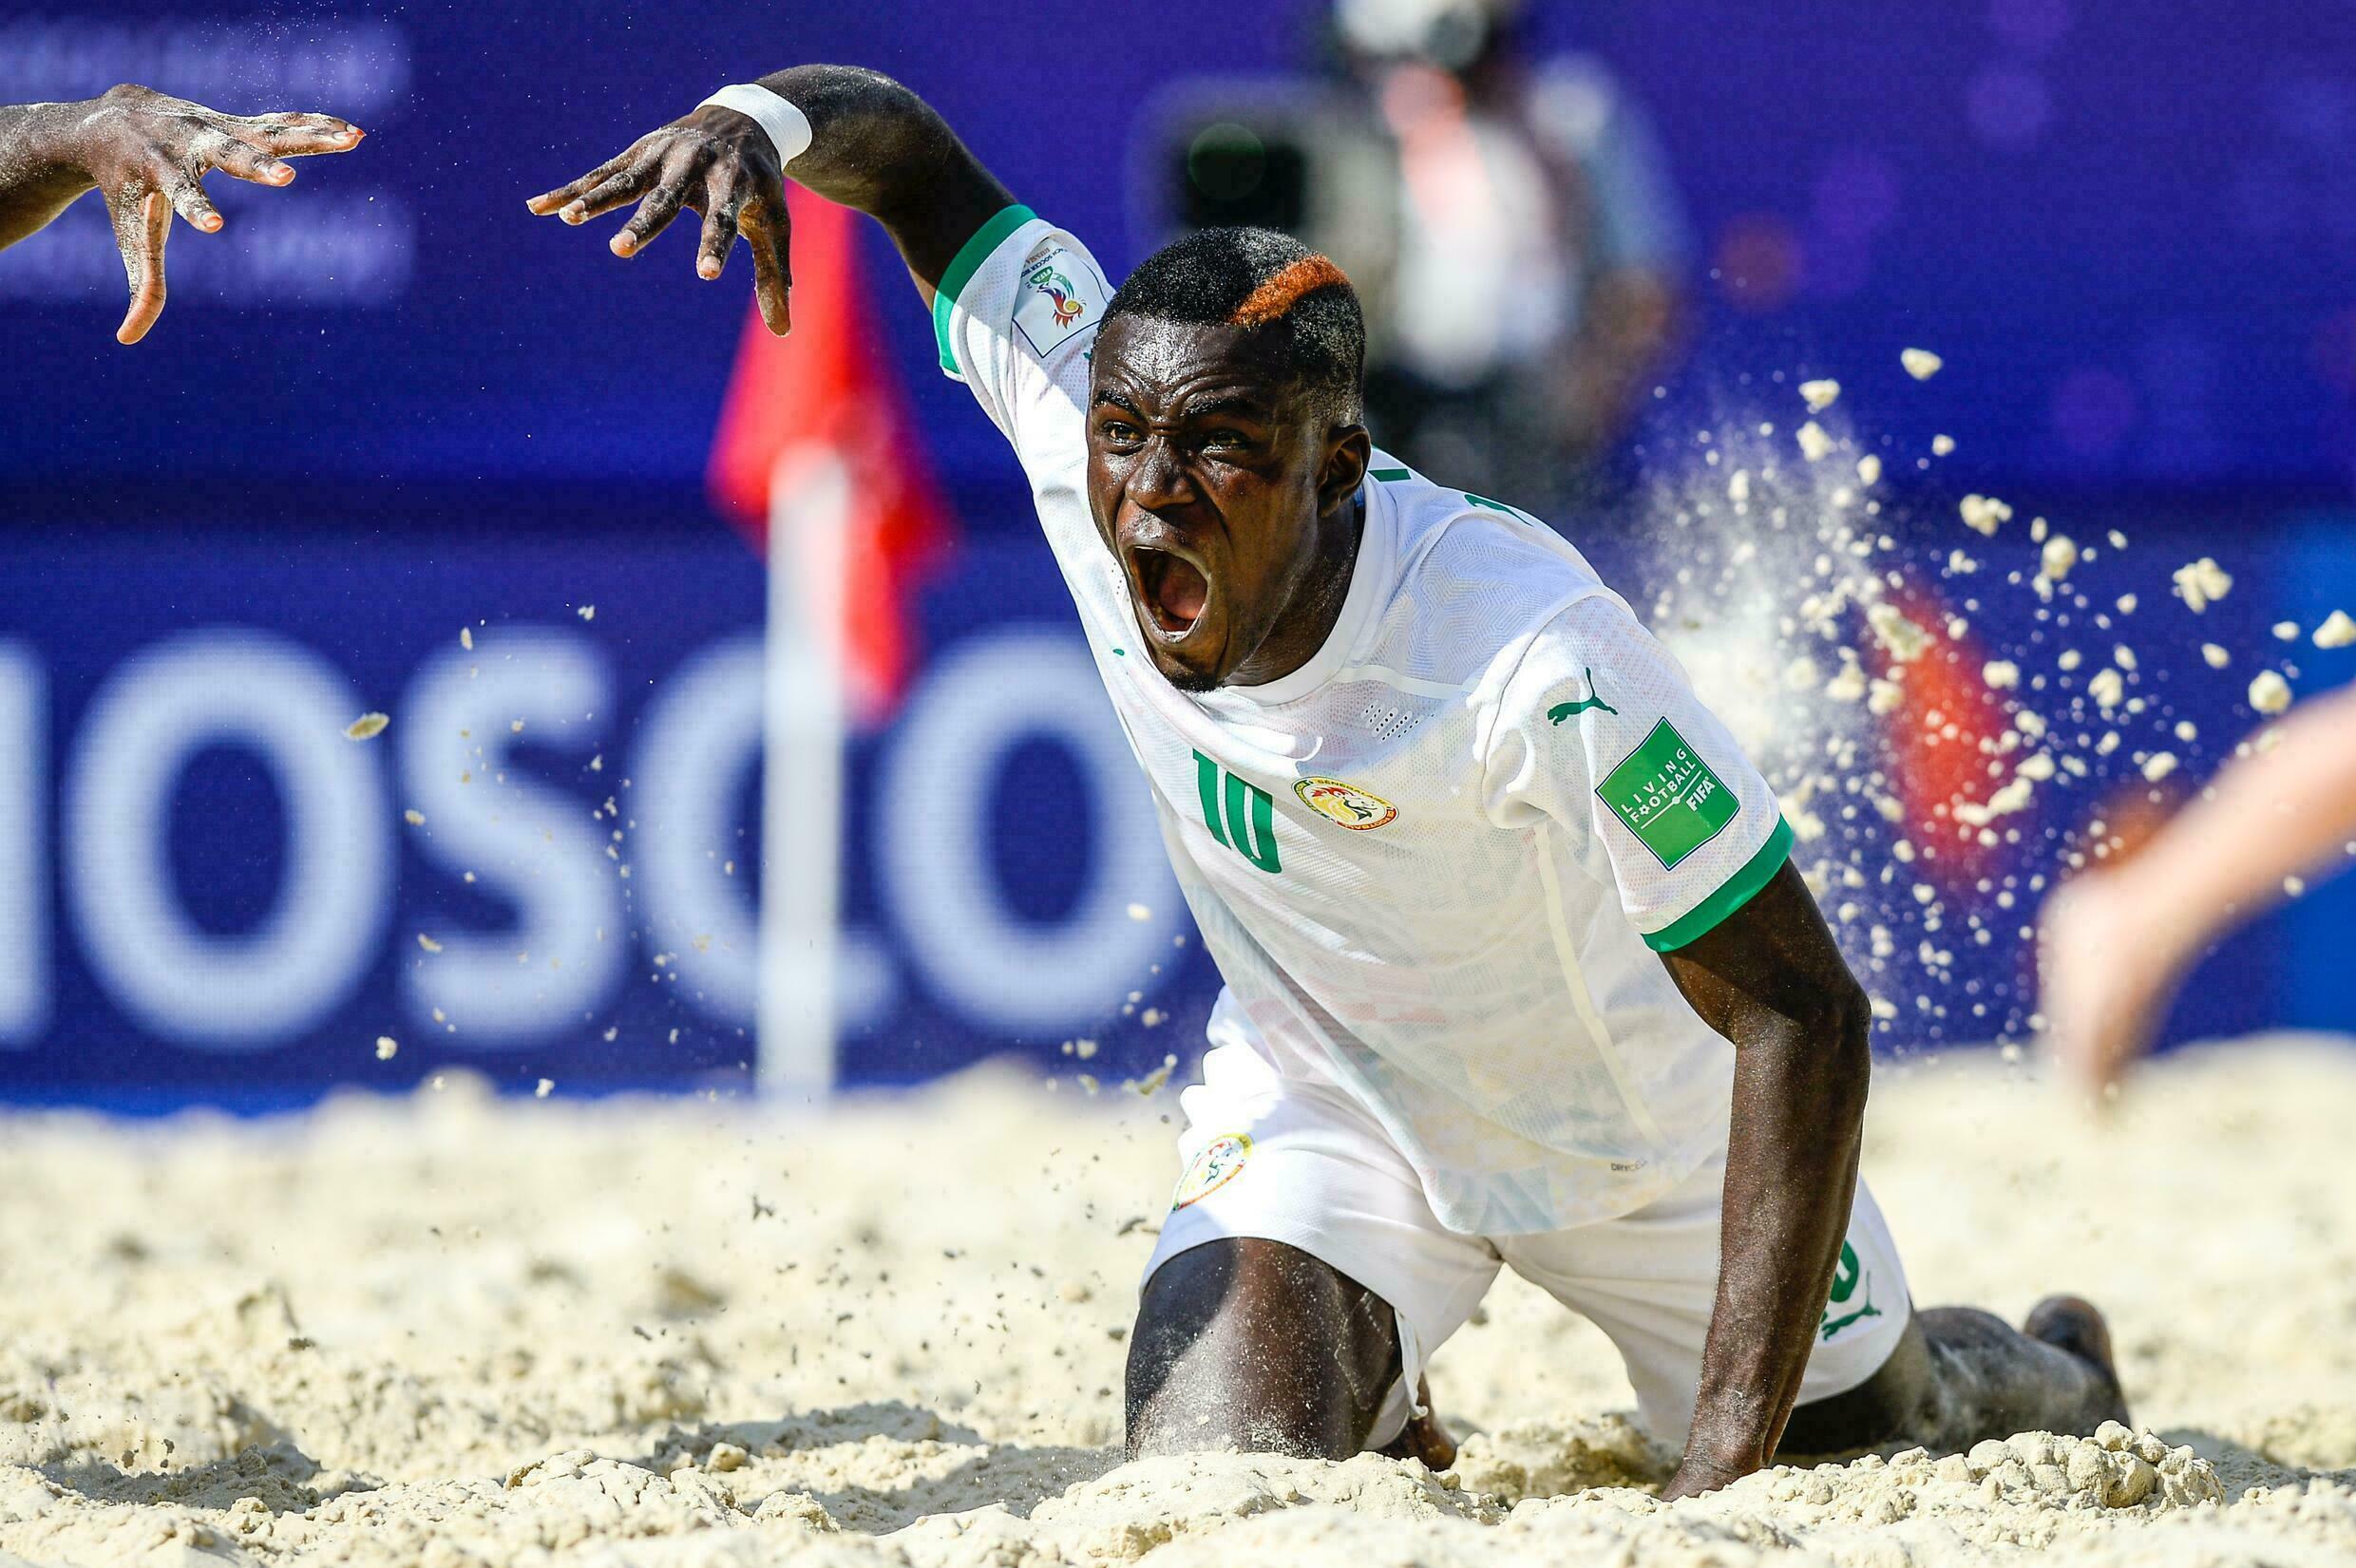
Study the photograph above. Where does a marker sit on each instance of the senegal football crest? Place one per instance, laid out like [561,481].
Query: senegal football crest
[1213,1168]
[1344,803]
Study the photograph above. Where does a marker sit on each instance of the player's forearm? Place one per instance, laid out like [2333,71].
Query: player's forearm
[879,148]
[1790,1177]
[40,173]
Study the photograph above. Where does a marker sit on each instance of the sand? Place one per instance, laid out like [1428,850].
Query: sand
[451,1330]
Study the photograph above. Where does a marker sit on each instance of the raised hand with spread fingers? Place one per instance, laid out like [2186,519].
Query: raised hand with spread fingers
[714,161]
[857,138]
[148,154]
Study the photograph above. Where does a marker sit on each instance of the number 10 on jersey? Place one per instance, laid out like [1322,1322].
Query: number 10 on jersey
[1223,793]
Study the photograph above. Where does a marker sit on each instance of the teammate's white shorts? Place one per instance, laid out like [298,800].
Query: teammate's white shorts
[1301,1164]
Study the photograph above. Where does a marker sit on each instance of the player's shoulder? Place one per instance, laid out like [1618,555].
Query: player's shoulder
[1062,295]
[1023,279]
[1477,577]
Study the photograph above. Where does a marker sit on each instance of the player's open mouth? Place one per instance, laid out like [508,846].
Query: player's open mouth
[1172,589]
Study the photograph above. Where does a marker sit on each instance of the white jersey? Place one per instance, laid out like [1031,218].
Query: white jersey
[1435,863]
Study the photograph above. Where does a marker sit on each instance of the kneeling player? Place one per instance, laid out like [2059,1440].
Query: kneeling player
[1517,970]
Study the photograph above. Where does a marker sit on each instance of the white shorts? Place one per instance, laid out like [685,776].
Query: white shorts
[1302,1165]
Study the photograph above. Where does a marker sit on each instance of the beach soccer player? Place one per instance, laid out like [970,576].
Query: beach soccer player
[1518,973]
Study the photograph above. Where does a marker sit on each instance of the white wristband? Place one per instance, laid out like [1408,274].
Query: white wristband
[789,127]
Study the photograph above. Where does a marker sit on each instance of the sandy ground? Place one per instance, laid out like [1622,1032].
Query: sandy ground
[452,1331]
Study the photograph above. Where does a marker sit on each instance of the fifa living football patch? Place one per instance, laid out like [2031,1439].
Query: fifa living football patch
[1062,295]
[1668,796]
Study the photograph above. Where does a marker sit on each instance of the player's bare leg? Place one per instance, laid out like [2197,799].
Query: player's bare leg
[1255,1345]
[1424,1437]
[1960,1375]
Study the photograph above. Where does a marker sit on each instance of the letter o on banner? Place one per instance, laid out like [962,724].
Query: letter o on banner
[279,699]
[974,706]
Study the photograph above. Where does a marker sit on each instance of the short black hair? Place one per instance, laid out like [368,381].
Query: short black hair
[1269,281]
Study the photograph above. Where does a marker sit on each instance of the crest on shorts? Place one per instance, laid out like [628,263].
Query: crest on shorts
[1213,1168]
[1344,803]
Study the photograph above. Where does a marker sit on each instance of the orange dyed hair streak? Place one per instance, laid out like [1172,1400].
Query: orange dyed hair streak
[1281,291]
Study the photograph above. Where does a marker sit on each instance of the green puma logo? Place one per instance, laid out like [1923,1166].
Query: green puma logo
[1846,1279]
[1250,815]
[1564,710]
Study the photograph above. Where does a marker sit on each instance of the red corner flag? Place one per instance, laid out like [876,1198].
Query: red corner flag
[826,387]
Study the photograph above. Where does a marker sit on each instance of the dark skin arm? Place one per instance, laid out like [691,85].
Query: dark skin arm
[1771,979]
[875,147]
[149,154]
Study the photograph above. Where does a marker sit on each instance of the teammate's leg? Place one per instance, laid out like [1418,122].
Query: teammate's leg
[1253,1343]
[1958,1375]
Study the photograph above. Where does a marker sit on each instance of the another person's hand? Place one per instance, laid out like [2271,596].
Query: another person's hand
[148,154]
[714,161]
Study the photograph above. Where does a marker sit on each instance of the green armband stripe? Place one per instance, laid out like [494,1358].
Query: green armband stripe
[969,259]
[1738,890]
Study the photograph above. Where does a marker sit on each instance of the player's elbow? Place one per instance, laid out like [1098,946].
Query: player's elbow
[1843,1029]
[1831,1030]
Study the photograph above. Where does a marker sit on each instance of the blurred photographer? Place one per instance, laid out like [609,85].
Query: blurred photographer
[1538,275]
[1508,219]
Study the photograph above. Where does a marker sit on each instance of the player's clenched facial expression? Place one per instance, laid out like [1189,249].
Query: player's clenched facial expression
[1208,470]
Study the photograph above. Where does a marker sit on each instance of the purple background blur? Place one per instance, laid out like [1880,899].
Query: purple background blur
[2133,229]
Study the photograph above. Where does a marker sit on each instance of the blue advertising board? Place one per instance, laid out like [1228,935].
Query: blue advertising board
[386,406]
[547,864]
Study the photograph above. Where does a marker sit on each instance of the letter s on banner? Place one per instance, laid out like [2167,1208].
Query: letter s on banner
[529,845]
[698,745]
[289,707]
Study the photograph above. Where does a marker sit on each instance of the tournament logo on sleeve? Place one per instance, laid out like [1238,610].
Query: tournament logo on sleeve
[1352,807]
[1668,796]
[1061,295]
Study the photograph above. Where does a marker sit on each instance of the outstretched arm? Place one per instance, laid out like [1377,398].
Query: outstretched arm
[1770,978]
[875,147]
[149,155]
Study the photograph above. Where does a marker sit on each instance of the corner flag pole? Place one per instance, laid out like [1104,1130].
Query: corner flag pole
[809,499]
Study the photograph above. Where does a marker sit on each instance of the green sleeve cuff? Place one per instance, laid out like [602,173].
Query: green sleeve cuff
[961,270]
[1737,891]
